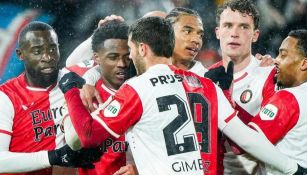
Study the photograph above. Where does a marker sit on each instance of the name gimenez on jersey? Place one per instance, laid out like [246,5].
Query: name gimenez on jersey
[185,166]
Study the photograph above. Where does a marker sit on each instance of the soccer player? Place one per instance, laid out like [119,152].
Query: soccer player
[189,32]
[32,109]
[237,28]
[284,118]
[153,108]
[111,53]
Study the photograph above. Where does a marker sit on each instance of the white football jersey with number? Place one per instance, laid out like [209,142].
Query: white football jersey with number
[154,109]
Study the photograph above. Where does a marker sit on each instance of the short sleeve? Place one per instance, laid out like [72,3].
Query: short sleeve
[6,114]
[277,117]
[122,112]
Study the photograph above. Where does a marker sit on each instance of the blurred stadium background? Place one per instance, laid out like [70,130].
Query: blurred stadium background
[75,20]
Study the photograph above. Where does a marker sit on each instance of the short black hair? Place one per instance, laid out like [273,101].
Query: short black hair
[157,32]
[110,30]
[301,36]
[243,6]
[33,26]
[174,15]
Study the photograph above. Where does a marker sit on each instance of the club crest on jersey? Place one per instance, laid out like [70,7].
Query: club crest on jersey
[112,109]
[246,96]
[192,81]
[268,112]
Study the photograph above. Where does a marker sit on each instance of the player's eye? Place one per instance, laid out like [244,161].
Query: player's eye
[36,52]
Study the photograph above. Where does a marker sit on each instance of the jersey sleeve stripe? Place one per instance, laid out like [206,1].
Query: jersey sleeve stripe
[103,124]
[5,132]
[231,117]
[256,127]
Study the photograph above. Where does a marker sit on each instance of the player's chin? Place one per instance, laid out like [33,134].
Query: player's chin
[50,76]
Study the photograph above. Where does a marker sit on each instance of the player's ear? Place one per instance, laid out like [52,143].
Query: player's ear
[256,35]
[304,64]
[19,54]
[96,58]
[217,32]
[142,49]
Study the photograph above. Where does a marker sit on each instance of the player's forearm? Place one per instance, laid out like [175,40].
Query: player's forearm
[258,146]
[11,162]
[82,52]
[71,135]
[90,132]
[93,75]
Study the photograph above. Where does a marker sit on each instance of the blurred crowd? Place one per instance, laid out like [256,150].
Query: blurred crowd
[75,20]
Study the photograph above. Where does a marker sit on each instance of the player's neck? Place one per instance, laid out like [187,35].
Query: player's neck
[239,63]
[108,84]
[157,60]
[183,64]
[301,78]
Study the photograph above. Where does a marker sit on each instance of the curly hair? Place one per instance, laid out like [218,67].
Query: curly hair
[243,6]
[109,30]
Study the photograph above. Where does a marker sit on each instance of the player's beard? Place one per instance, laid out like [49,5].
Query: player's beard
[139,64]
[130,71]
[278,83]
[42,79]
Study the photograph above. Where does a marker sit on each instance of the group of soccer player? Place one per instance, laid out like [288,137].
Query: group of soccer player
[157,110]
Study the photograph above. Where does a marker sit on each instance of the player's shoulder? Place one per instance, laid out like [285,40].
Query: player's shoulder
[82,67]
[258,70]
[299,92]
[13,84]
[193,79]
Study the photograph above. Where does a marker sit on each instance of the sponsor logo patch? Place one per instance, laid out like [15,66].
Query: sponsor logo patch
[246,96]
[268,112]
[112,109]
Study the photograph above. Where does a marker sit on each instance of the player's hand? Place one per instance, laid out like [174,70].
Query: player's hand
[66,157]
[110,18]
[300,170]
[220,77]
[70,80]
[88,155]
[266,60]
[127,170]
[87,94]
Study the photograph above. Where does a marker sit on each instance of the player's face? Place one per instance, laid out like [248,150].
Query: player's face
[236,34]
[40,53]
[113,58]
[188,37]
[288,63]
[137,59]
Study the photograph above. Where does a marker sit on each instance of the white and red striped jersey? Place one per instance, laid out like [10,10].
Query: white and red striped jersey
[198,69]
[252,87]
[159,123]
[114,156]
[283,120]
[32,117]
